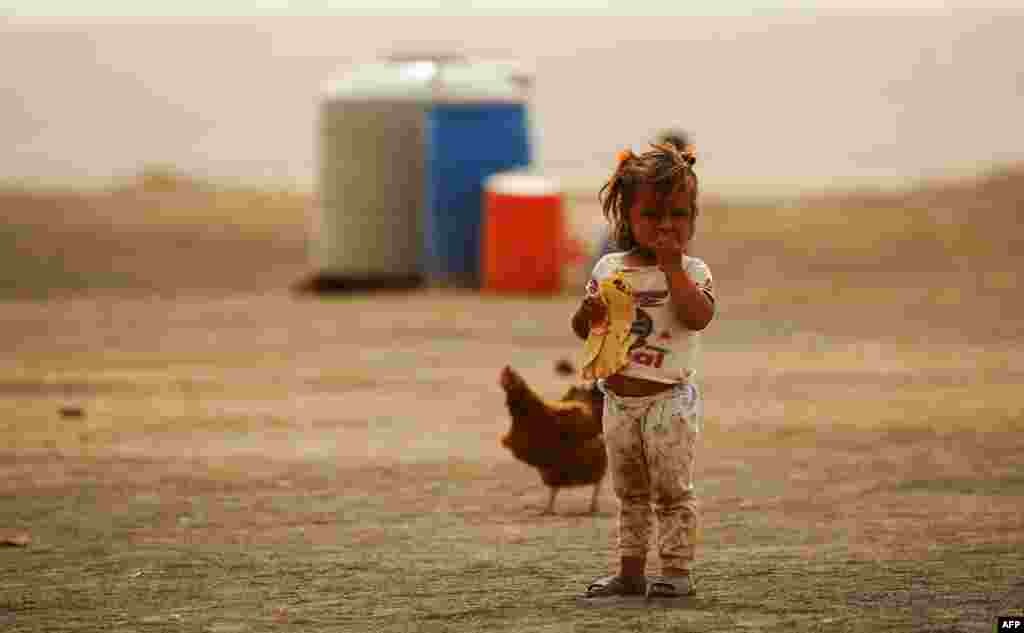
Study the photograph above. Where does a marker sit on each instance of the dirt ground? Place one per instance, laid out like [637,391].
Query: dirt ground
[236,457]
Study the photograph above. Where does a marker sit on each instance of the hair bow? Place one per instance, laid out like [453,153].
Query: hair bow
[690,153]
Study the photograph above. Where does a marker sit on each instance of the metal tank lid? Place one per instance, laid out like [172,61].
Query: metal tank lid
[522,182]
[432,78]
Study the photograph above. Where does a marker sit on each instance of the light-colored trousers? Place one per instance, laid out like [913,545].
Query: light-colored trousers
[650,442]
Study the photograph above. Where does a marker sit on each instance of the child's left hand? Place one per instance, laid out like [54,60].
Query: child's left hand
[668,251]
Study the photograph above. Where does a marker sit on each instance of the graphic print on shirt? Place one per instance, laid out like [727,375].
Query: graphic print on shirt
[650,297]
[642,327]
[649,355]
[643,352]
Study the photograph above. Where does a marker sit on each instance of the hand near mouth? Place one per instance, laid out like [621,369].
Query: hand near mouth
[668,252]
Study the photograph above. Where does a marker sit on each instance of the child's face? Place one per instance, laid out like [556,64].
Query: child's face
[672,221]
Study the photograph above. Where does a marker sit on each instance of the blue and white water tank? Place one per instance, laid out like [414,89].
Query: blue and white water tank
[405,146]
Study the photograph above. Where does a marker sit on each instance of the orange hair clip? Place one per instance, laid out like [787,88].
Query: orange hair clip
[690,152]
[623,155]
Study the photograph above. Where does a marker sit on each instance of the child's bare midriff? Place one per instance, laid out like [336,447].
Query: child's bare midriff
[633,387]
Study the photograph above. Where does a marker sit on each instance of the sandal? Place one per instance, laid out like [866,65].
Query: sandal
[616,586]
[671,587]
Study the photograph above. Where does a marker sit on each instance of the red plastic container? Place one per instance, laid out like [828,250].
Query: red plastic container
[524,243]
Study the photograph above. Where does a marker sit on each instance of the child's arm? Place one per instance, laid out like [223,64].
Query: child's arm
[693,308]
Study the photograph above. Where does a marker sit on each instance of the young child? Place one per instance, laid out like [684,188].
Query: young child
[652,411]
[674,136]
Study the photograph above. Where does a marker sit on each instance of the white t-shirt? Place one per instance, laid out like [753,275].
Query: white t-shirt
[665,350]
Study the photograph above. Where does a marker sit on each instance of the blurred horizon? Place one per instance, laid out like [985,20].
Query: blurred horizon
[778,103]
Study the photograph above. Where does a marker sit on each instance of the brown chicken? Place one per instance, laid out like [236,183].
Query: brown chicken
[562,439]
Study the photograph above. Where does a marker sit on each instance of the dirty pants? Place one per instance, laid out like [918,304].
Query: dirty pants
[650,442]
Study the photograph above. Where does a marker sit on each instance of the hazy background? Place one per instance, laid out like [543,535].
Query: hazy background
[188,443]
[778,101]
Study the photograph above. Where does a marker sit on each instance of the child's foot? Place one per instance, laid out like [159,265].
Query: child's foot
[672,587]
[616,587]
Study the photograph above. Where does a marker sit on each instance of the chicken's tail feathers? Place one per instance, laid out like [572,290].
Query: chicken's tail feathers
[564,367]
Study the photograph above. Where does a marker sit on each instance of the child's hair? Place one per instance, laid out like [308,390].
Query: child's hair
[678,137]
[667,167]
